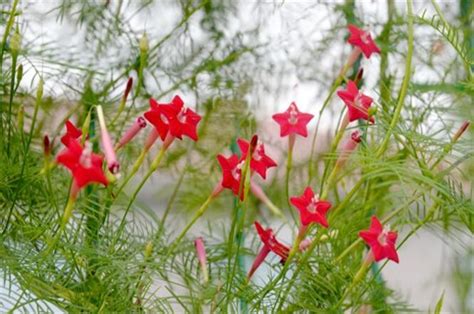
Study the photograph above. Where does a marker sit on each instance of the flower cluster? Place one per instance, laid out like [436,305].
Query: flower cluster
[174,120]
[232,166]
[84,165]
[312,209]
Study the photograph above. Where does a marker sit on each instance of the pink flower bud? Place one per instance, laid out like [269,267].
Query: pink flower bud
[112,162]
[139,124]
[305,244]
[201,254]
[349,146]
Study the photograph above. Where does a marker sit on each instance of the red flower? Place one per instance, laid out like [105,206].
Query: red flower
[231,173]
[270,244]
[362,40]
[312,210]
[270,241]
[380,240]
[85,166]
[260,162]
[357,103]
[292,121]
[71,133]
[174,118]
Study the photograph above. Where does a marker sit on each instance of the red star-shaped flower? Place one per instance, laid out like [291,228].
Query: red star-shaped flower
[231,173]
[72,133]
[270,244]
[312,210]
[292,121]
[174,118]
[85,166]
[270,241]
[357,103]
[362,40]
[381,241]
[260,162]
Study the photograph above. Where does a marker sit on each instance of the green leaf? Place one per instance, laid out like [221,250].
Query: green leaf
[439,304]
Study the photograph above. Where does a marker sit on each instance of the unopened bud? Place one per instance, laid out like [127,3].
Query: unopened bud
[139,124]
[201,254]
[253,144]
[359,76]
[110,156]
[21,118]
[46,146]
[143,43]
[85,127]
[128,88]
[349,146]
[148,249]
[372,111]
[39,91]
[461,130]
[19,74]
[15,43]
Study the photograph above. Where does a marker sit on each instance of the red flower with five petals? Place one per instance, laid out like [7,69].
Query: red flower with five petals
[270,244]
[173,118]
[357,103]
[72,133]
[260,162]
[231,173]
[312,210]
[85,166]
[270,241]
[362,40]
[292,121]
[381,241]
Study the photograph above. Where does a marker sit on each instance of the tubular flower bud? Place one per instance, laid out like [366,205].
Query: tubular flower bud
[15,43]
[148,249]
[143,43]
[21,118]
[461,130]
[349,146]
[46,146]
[112,162]
[201,254]
[128,88]
[130,134]
[359,76]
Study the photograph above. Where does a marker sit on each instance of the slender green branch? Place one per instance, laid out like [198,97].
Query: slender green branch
[405,83]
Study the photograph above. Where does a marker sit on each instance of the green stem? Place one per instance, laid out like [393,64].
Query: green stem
[326,184]
[195,218]
[333,89]
[9,26]
[405,83]
[136,166]
[289,164]
[153,167]
[10,102]
[39,96]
